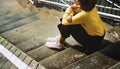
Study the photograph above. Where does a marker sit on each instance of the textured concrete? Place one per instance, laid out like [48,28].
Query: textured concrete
[28,27]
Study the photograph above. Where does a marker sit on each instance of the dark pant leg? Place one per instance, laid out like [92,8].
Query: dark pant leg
[80,35]
[63,31]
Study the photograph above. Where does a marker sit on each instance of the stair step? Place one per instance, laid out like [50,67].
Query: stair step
[10,4]
[95,61]
[19,23]
[102,59]
[16,18]
[108,36]
[116,66]
[4,12]
[107,26]
[41,53]
[31,30]
[30,44]
[115,32]
[63,58]
[11,15]
[5,7]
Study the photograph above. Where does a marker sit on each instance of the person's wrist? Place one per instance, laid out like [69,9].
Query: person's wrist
[69,18]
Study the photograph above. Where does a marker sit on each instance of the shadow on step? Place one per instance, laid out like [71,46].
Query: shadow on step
[112,51]
[108,48]
[90,51]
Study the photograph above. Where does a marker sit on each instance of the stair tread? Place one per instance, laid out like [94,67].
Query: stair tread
[16,18]
[6,6]
[19,23]
[94,61]
[30,44]
[4,12]
[98,60]
[41,53]
[10,15]
[109,35]
[115,32]
[62,59]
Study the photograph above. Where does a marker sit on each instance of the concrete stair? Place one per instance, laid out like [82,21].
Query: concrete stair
[62,59]
[102,59]
[18,23]
[28,30]
[18,20]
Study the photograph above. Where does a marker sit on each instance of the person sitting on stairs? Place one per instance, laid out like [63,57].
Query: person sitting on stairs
[82,21]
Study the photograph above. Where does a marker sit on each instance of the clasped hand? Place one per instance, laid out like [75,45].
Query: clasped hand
[76,9]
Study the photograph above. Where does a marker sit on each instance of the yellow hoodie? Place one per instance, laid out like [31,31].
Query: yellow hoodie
[90,21]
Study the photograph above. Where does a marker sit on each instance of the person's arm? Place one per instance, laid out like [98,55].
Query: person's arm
[76,19]
[69,11]
[75,9]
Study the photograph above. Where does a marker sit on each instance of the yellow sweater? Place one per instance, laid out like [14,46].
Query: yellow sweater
[90,21]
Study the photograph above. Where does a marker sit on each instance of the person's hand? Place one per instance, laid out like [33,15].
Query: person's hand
[69,18]
[76,8]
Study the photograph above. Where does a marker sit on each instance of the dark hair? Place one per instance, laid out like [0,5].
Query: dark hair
[87,5]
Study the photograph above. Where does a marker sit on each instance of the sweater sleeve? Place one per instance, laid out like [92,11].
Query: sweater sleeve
[76,19]
[68,11]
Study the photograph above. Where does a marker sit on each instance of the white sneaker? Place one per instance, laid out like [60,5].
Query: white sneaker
[52,39]
[55,45]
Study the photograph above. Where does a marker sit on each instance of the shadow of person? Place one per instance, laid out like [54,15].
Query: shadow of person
[92,50]
[112,51]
